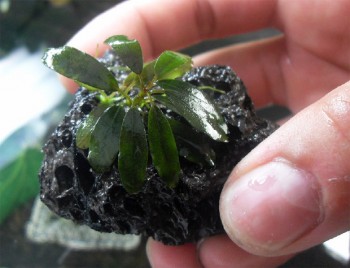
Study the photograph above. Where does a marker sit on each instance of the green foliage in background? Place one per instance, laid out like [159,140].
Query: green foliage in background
[19,181]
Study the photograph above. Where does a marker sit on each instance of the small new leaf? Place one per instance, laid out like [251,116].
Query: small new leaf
[87,126]
[163,147]
[129,51]
[171,65]
[148,74]
[133,151]
[81,67]
[104,142]
[196,107]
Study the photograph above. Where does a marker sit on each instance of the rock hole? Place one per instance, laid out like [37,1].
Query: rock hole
[66,138]
[63,201]
[235,132]
[85,177]
[133,207]
[94,217]
[86,108]
[124,227]
[108,209]
[65,177]
[76,214]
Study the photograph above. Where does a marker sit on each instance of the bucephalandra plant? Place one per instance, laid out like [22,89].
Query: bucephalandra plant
[128,124]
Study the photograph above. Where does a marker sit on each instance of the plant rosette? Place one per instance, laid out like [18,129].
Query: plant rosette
[145,148]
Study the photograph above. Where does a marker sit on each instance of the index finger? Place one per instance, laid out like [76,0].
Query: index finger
[165,24]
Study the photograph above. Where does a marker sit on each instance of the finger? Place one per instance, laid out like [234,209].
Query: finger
[219,251]
[167,24]
[275,73]
[163,256]
[187,22]
[258,64]
[293,190]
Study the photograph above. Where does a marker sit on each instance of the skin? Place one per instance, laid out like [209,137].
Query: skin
[291,192]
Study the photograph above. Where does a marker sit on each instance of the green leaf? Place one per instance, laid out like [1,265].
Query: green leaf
[19,181]
[148,74]
[171,65]
[192,145]
[196,107]
[131,80]
[163,147]
[104,142]
[80,67]
[141,81]
[129,51]
[87,126]
[133,151]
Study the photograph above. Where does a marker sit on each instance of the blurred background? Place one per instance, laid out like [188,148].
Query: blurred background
[32,103]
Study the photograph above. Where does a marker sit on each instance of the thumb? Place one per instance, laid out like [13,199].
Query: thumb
[293,190]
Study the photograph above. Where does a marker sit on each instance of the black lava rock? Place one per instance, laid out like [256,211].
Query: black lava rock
[184,214]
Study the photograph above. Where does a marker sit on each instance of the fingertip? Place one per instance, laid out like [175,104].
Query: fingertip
[271,206]
[220,251]
[69,84]
[163,256]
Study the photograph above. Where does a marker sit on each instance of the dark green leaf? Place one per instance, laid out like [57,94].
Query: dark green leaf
[170,65]
[192,145]
[133,151]
[87,126]
[81,67]
[196,107]
[163,147]
[104,142]
[19,181]
[129,51]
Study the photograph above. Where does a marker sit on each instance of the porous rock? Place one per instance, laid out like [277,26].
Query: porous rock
[184,214]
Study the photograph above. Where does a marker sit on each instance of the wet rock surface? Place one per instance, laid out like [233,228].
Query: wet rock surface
[186,213]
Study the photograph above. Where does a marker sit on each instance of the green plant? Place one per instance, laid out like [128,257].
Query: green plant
[19,181]
[116,130]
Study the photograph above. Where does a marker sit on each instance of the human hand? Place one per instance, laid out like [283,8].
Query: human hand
[293,191]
